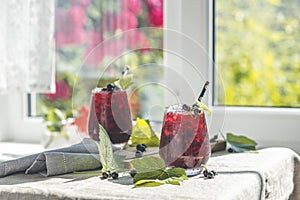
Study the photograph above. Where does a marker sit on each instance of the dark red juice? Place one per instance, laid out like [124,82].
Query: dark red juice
[184,139]
[111,110]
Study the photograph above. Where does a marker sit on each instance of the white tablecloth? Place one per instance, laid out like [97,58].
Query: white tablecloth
[273,173]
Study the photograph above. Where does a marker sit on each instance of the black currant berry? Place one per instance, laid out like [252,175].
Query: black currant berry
[114,175]
[214,172]
[230,150]
[132,173]
[210,175]
[138,154]
[110,87]
[195,105]
[196,111]
[105,175]
[141,147]
[205,172]
[186,107]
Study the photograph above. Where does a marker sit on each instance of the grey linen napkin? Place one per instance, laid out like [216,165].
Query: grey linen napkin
[81,156]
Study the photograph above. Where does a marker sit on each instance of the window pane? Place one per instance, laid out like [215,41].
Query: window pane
[82,27]
[257,46]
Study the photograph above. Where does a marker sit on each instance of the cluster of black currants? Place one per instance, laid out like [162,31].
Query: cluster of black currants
[140,148]
[194,108]
[110,87]
[132,173]
[209,174]
[108,174]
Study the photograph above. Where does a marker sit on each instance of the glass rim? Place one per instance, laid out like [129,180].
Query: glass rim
[177,108]
[100,89]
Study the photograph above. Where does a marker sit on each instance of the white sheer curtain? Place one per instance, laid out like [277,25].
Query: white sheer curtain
[27,45]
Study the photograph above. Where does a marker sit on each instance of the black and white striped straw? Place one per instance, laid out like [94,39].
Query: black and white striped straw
[203,91]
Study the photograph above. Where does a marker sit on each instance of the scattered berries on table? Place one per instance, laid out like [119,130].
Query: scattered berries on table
[132,173]
[114,175]
[105,175]
[230,150]
[205,172]
[214,172]
[138,154]
[141,147]
[209,174]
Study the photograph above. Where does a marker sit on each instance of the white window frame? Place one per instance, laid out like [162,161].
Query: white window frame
[268,126]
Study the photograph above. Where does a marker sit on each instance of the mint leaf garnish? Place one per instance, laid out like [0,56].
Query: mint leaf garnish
[103,82]
[240,143]
[109,160]
[142,133]
[124,82]
[151,171]
[203,107]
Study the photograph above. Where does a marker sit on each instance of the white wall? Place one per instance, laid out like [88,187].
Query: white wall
[14,125]
[3,117]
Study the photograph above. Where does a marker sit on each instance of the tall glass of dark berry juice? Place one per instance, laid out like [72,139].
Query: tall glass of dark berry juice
[110,108]
[184,139]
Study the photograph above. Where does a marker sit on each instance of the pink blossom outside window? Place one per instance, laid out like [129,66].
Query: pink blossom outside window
[81,27]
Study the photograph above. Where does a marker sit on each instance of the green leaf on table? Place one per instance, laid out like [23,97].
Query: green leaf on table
[148,164]
[151,171]
[240,143]
[177,172]
[148,183]
[149,175]
[142,133]
[108,159]
[159,177]
[118,165]
[157,182]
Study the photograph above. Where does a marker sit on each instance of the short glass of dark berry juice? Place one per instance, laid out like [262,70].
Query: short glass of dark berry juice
[110,108]
[184,140]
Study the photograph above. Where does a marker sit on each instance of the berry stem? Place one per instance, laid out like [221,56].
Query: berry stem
[204,166]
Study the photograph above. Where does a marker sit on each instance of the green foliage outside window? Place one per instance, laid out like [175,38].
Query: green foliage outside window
[257,52]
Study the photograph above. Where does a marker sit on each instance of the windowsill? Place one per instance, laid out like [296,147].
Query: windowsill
[13,150]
